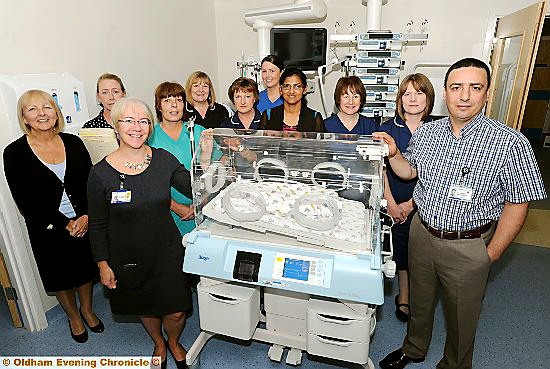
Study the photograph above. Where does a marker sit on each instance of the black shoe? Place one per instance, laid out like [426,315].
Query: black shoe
[181,364]
[98,328]
[78,338]
[397,360]
[400,314]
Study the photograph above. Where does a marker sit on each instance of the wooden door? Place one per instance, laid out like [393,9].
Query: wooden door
[9,293]
[512,61]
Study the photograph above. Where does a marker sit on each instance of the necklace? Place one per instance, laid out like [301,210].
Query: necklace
[138,166]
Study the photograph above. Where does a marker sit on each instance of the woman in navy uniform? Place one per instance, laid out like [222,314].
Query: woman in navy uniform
[243,92]
[415,101]
[349,97]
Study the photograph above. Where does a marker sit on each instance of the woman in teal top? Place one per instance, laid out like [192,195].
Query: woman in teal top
[173,135]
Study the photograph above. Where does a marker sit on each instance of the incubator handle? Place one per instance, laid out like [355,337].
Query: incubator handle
[335,320]
[223,299]
[336,342]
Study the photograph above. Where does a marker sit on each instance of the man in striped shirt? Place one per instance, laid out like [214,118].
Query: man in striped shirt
[476,177]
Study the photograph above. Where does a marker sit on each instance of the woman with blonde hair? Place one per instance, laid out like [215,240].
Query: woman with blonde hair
[47,171]
[201,102]
[135,241]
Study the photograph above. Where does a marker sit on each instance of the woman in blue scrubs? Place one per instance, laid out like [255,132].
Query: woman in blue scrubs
[349,97]
[272,67]
[415,101]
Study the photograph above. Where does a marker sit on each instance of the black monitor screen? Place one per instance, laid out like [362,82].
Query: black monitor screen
[305,48]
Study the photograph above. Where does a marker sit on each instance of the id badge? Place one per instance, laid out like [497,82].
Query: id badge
[460,193]
[121,196]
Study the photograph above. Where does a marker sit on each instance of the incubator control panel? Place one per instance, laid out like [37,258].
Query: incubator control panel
[299,269]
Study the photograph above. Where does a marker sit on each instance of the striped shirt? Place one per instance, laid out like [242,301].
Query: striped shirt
[498,161]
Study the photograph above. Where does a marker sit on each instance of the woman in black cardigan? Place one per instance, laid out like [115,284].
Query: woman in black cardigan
[293,115]
[47,172]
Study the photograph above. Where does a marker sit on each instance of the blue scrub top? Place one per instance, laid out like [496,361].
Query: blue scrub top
[264,103]
[181,149]
[235,122]
[365,125]
[402,190]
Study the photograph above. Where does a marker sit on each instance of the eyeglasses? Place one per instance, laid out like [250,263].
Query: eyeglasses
[295,87]
[141,122]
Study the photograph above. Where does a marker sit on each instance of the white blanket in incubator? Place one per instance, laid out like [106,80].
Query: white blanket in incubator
[311,214]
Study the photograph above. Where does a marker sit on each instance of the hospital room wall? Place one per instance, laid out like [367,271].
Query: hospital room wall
[145,42]
[456,30]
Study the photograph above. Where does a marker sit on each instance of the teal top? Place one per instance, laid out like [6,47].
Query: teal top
[181,149]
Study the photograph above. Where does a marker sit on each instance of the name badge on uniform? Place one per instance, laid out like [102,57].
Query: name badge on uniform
[460,193]
[121,196]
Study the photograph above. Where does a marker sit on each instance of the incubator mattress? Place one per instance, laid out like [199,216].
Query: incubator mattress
[346,224]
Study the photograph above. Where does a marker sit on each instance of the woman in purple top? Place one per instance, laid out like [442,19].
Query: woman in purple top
[349,97]
[415,101]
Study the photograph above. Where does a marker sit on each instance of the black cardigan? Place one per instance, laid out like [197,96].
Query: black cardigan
[309,120]
[36,189]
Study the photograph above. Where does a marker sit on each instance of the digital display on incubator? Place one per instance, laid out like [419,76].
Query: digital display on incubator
[296,269]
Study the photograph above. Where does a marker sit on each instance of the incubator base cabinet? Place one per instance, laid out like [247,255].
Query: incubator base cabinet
[288,241]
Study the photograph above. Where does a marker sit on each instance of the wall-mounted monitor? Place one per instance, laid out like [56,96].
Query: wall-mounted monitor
[305,48]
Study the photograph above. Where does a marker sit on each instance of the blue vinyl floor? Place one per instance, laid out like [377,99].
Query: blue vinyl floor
[514,329]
